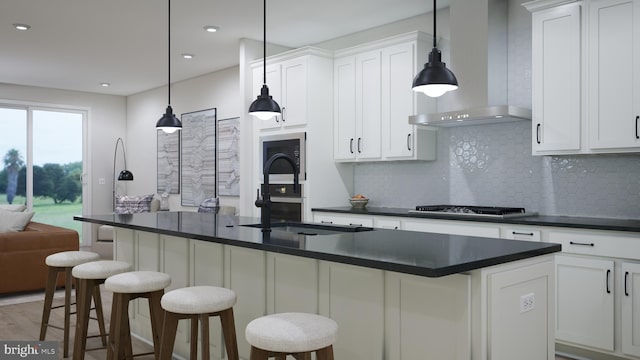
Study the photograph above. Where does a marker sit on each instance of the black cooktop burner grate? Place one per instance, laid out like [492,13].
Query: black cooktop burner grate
[483,210]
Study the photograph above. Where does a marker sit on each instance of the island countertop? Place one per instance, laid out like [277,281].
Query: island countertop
[417,253]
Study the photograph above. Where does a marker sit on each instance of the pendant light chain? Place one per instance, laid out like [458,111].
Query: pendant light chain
[169,51]
[264,43]
[434,23]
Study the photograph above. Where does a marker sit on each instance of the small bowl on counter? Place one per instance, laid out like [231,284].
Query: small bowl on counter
[358,203]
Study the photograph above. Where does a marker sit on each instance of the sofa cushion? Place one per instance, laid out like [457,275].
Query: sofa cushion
[127,204]
[11,221]
[16,208]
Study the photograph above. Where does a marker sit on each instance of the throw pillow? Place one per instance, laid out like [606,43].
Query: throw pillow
[11,221]
[126,204]
[16,208]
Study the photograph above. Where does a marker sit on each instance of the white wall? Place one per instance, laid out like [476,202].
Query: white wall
[219,89]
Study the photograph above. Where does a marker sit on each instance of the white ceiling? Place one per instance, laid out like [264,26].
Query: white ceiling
[77,44]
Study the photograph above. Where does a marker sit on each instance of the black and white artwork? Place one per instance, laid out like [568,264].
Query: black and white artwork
[229,157]
[168,175]
[198,153]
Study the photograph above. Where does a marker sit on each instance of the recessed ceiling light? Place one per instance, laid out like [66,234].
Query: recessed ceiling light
[22,27]
[188,56]
[211,28]
[105,84]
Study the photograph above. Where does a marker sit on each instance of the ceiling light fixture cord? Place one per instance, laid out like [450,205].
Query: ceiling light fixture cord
[434,23]
[169,52]
[264,42]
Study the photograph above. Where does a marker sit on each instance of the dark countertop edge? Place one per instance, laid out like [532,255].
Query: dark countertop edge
[628,225]
[368,263]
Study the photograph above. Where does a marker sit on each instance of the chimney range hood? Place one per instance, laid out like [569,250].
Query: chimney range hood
[478,31]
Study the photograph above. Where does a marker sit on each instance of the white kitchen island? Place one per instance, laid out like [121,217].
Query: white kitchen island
[395,294]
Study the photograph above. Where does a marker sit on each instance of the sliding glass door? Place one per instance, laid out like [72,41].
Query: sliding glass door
[43,153]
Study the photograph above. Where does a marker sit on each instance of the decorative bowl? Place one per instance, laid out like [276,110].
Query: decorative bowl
[358,203]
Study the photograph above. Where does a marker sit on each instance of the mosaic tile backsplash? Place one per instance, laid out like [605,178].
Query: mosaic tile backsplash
[492,165]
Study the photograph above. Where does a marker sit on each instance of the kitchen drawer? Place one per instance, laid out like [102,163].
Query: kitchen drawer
[384,222]
[340,219]
[519,233]
[597,243]
[452,227]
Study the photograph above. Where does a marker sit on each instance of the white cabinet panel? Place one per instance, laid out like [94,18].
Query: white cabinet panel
[292,284]
[452,227]
[359,310]
[368,112]
[519,233]
[344,71]
[614,74]
[585,301]
[294,92]
[383,222]
[344,219]
[631,309]
[556,75]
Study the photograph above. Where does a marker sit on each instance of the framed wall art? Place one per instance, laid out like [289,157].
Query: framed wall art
[198,157]
[228,150]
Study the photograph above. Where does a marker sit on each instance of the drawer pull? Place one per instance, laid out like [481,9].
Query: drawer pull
[326,222]
[608,273]
[352,224]
[581,244]
[626,290]
[521,233]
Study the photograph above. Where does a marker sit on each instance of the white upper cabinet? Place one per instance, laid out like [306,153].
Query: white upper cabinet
[614,74]
[555,84]
[585,76]
[287,81]
[373,101]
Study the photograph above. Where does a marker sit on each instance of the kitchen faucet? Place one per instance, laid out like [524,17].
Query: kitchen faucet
[265,203]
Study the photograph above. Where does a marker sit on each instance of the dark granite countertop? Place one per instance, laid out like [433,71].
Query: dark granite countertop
[632,225]
[417,253]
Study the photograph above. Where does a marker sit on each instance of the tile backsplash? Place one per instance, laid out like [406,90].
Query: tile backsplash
[492,165]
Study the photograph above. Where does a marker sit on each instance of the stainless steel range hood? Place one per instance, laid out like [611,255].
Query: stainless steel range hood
[478,31]
[475,116]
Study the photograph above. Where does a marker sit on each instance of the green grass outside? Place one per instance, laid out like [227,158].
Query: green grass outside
[45,211]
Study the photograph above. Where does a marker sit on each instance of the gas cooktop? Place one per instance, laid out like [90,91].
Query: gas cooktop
[480,211]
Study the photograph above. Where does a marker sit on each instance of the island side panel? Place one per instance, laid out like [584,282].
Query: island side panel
[292,284]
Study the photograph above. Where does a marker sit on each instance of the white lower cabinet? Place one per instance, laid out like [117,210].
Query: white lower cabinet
[585,301]
[631,308]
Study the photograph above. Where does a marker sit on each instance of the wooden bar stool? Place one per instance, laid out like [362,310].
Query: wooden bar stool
[58,263]
[126,287]
[295,334]
[199,303]
[88,278]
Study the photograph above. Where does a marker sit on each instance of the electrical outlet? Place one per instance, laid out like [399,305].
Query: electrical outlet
[527,302]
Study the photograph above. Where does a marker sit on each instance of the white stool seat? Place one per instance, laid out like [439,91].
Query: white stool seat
[137,282]
[70,258]
[198,300]
[100,269]
[291,332]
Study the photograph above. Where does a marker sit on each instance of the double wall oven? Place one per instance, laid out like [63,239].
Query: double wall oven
[286,204]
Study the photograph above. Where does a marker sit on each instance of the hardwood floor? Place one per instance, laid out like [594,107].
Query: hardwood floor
[22,322]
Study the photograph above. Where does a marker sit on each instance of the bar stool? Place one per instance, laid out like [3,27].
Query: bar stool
[295,334]
[63,262]
[199,303]
[88,278]
[126,287]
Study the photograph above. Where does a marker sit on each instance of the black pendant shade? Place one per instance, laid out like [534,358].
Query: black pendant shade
[169,122]
[125,175]
[435,79]
[264,107]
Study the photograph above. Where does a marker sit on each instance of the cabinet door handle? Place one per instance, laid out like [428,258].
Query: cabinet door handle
[283,110]
[581,244]
[276,117]
[626,290]
[351,145]
[538,133]
[521,233]
[637,118]
[608,273]
[326,222]
[409,142]
[359,145]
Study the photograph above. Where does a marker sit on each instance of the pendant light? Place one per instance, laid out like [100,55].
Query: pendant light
[168,122]
[264,107]
[435,79]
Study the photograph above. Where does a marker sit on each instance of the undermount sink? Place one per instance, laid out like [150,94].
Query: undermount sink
[311,229]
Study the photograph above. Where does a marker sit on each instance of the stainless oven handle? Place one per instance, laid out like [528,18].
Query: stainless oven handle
[286,200]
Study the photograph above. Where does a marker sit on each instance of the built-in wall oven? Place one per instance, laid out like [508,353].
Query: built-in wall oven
[286,204]
[292,144]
